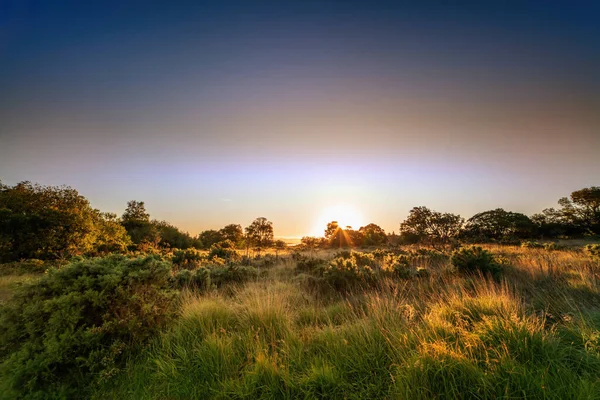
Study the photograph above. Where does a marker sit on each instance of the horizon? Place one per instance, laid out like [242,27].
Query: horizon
[214,114]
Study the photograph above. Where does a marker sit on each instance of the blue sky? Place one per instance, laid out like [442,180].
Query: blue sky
[220,112]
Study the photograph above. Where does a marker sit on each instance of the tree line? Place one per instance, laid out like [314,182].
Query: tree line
[53,222]
[578,216]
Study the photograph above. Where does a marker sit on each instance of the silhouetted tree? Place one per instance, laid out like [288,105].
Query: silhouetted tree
[233,232]
[260,233]
[209,237]
[136,221]
[172,237]
[373,235]
[279,245]
[423,224]
[582,209]
[499,224]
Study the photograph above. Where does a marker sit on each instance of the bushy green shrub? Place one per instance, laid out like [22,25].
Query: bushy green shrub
[593,250]
[475,259]
[224,250]
[232,273]
[75,326]
[187,259]
[198,279]
[398,266]
[379,254]
[309,264]
[346,273]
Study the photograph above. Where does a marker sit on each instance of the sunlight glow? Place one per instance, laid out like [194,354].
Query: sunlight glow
[344,214]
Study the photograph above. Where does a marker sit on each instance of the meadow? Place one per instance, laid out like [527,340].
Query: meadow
[404,322]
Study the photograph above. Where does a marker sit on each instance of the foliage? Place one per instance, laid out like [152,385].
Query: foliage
[346,273]
[260,233]
[309,264]
[110,235]
[49,222]
[187,259]
[233,233]
[498,224]
[224,250]
[397,265]
[209,237]
[582,209]
[136,221]
[423,224]
[475,259]
[171,237]
[76,325]
[593,250]
[373,235]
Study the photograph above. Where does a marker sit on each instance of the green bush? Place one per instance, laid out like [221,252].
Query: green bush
[346,273]
[593,250]
[474,259]
[74,328]
[398,266]
[309,264]
[187,259]
[224,250]
[198,279]
[227,274]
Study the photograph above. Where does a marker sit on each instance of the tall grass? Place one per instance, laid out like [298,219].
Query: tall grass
[535,333]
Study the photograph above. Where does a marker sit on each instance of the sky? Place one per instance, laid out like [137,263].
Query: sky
[220,112]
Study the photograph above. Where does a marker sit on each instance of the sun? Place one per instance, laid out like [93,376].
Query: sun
[344,214]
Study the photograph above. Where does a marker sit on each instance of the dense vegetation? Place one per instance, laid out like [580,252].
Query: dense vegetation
[95,306]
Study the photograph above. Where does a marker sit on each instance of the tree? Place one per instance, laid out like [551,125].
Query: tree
[233,232]
[373,235]
[279,245]
[209,237]
[423,224]
[260,233]
[50,222]
[338,237]
[172,237]
[311,243]
[332,228]
[136,221]
[582,209]
[110,235]
[499,224]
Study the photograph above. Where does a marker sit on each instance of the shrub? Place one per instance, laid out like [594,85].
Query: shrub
[199,278]
[345,273]
[222,275]
[76,325]
[398,266]
[187,259]
[309,264]
[475,259]
[593,250]
[224,250]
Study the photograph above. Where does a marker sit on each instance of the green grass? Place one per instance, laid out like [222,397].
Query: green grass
[445,337]
[532,333]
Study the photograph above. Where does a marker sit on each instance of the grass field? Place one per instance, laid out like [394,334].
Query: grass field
[535,333]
